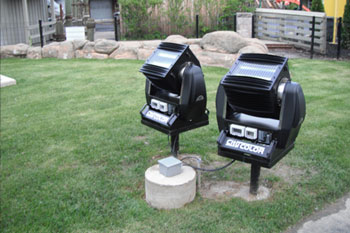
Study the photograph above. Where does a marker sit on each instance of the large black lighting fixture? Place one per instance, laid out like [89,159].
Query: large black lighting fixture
[175,92]
[259,112]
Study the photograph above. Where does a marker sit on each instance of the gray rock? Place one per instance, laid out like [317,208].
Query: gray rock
[79,44]
[196,49]
[194,41]
[6,51]
[151,44]
[106,46]
[79,54]
[176,39]
[216,59]
[66,50]
[143,54]
[89,55]
[251,49]
[257,43]
[34,53]
[97,56]
[51,50]
[131,44]
[124,52]
[89,47]
[223,42]
[18,50]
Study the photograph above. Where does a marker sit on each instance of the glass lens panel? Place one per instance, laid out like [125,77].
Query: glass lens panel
[163,58]
[260,71]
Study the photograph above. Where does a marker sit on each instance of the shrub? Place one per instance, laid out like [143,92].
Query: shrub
[317,6]
[137,18]
[230,8]
[346,27]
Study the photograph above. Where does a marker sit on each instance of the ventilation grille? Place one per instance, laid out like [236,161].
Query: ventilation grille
[172,47]
[263,58]
[153,70]
[246,82]
[251,96]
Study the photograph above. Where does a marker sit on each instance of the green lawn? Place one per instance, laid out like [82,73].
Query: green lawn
[74,153]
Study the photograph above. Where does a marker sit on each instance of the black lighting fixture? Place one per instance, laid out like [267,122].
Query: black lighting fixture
[175,92]
[259,112]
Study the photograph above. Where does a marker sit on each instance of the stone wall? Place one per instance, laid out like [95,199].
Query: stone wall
[219,48]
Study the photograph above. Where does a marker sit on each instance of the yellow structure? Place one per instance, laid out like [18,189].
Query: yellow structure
[334,8]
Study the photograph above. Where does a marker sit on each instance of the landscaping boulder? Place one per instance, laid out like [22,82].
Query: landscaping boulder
[51,50]
[89,55]
[223,42]
[216,59]
[18,50]
[251,49]
[176,39]
[143,54]
[151,44]
[79,44]
[97,56]
[126,50]
[34,53]
[194,41]
[106,46]
[79,54]
[66,50]
[89,47]
[257,43]
[196,49]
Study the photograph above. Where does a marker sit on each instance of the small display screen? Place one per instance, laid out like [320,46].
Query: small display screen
[163,58]
[260,71]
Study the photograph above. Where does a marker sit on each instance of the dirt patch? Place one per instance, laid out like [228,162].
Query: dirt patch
[223,190]
[286,173]
[215,186]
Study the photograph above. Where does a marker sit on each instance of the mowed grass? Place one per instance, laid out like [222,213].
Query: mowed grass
[74,153]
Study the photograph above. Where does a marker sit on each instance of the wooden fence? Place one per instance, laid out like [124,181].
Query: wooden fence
[294,27]
[49,28]
[168,19]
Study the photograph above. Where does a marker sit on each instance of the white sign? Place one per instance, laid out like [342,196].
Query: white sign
[75,33]
[245,146]
[157,117]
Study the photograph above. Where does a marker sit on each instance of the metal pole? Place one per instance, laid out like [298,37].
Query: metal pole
[312,37]
[339,36]
[235,23]
[254,179]
[301,5]
[41,33]
[253,26]
[115,28]
[197,26]
[174,143]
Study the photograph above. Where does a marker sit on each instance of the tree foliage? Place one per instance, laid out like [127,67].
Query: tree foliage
[142,19]
[317,6]
[346,27]
[136,15]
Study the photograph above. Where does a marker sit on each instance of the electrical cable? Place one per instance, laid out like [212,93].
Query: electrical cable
[205,169]
[193,157]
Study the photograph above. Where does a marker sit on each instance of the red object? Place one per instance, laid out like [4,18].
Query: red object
[287,2]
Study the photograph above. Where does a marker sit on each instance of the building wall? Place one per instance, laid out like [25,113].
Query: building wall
[12,20]
[334,8]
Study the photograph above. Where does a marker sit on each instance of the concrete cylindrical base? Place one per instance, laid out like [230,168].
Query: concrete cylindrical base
[170,192]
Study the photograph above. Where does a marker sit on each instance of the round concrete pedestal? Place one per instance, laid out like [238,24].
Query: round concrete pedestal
[170,192]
